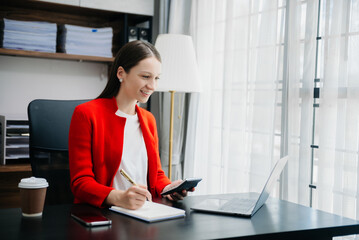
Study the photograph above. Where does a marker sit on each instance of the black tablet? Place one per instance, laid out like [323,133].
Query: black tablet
[187,184]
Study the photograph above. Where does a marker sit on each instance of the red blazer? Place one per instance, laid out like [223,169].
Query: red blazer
[95,150]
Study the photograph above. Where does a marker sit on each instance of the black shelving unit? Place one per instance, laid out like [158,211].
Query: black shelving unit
[14,141]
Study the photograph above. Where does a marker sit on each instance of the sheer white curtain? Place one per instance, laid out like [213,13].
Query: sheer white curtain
[336,112]
[300,63]
[259,69]
[238,129]
[336,160]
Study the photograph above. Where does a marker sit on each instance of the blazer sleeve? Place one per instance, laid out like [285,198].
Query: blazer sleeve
[83,183]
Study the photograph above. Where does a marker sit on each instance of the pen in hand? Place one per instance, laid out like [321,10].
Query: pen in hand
[123,173]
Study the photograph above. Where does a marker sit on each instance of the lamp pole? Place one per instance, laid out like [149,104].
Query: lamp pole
[171,136]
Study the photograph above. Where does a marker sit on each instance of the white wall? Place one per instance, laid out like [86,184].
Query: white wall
[23,79]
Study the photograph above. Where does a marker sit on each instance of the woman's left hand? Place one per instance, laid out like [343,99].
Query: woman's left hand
[176,195]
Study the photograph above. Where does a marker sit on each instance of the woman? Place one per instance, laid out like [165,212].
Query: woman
[112,133]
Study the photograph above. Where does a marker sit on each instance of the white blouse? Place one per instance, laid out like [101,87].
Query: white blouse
[134,154]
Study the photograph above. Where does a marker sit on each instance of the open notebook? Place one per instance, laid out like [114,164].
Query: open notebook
[152,212]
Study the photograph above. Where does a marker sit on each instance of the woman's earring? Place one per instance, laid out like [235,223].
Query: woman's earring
[121,80]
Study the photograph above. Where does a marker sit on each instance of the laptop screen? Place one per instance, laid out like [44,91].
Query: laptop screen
[276,171]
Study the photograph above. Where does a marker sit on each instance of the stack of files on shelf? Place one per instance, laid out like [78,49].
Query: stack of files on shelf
[29,35]
[85,41]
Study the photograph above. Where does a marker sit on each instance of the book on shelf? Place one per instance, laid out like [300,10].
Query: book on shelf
[28,35]
[85,41]
[151,212]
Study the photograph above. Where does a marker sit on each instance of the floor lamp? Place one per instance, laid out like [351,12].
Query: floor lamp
[179,73]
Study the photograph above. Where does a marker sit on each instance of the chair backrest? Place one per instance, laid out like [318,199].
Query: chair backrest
[49,124]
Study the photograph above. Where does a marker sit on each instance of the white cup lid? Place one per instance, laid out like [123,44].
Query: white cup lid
[33,182]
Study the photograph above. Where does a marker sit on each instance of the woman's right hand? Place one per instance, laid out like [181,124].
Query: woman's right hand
[133,198]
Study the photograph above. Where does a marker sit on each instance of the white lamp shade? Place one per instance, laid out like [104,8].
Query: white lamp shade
[179,65]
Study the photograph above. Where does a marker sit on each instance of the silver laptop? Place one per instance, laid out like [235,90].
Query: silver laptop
[245,207]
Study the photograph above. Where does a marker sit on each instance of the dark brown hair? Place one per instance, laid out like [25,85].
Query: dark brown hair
[127,57]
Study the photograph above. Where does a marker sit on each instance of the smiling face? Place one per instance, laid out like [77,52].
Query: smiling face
[140,82]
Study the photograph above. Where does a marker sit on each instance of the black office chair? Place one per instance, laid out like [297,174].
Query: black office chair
[49,123]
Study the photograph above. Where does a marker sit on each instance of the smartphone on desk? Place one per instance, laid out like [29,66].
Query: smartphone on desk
[89,216]
[187,184]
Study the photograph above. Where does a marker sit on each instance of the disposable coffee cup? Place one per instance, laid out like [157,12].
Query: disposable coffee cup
[33,193]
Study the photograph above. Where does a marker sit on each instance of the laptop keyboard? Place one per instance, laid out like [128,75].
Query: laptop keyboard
[240,205]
